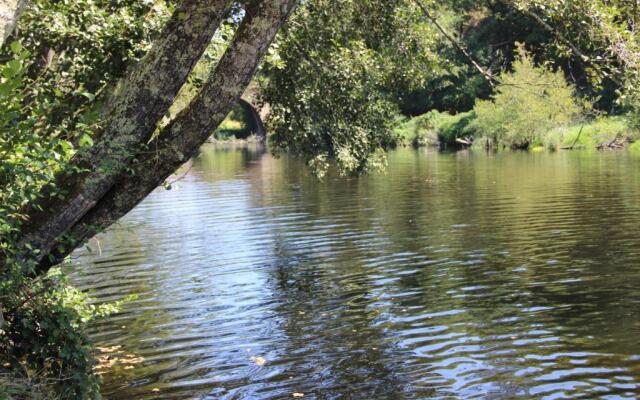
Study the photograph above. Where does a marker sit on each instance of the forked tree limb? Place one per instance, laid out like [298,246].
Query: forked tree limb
[182,137]
[133,114]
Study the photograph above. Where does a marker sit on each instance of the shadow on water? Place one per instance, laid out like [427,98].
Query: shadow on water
[456,275]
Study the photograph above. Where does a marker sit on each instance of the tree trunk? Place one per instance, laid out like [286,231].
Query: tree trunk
[10,11]
[183,136]
[134,111]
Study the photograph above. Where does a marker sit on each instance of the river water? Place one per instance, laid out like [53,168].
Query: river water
[448,276]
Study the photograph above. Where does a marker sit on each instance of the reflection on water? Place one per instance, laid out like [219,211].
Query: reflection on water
[449,276]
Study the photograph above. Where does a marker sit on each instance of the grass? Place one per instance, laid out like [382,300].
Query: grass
[603,130]
[442,129]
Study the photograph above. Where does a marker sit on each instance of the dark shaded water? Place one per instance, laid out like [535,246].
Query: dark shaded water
[450,276]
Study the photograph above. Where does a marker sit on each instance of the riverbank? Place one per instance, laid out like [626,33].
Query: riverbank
[233,140]
[445,131]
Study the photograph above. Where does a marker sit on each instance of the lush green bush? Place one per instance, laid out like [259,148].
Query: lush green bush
[79,49]
[68,53]
[436,129]
[530,102]
[42,329]
[634,148]
[29,152]
[417,131]
[43,335]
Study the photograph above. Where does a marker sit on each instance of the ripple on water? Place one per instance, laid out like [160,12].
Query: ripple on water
[450,276]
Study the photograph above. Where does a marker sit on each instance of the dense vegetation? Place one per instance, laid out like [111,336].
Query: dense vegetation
[67,55]
[484,65]
[344,81]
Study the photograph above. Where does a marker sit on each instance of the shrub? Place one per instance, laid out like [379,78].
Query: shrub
[436,129]
[530,102]
[41,330]
[418,131]
[634,148]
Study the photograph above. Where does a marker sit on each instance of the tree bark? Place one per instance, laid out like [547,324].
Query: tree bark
[10,12]
[183,136]
[134,112]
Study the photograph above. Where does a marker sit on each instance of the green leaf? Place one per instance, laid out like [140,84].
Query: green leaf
[16,47]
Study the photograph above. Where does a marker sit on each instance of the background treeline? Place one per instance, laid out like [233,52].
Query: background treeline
[500,74]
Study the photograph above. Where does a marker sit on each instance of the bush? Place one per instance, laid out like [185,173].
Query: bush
[436,129]
[68,53]
[453,127]
[418,131]
[530,102]
[42,330]
[634,148]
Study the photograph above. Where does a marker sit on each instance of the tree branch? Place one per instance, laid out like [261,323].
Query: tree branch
[134,112]
[486,75]
[183,136]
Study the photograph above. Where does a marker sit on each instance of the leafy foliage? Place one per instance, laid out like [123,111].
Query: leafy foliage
[84,46]
[50,84]
[602,37]
[437,129]
[43,334]
[334,89]
[530,102]
[43,318]
[29,152]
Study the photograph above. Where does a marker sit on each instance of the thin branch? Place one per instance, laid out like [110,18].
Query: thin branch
[574,48]
[576,139]
[459,46]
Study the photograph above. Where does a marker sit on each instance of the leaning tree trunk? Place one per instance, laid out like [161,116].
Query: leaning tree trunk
[10,12]
[182,138]
[144,99]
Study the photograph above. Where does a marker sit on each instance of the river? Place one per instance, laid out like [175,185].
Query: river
[459,275]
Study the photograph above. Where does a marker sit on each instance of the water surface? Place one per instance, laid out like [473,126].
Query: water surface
[450,276]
